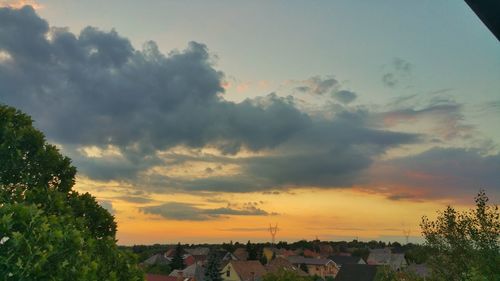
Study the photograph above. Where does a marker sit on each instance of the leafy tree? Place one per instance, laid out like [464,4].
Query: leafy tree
[49,231]
[163,269]
[465,245]
[417,253]
[212,271]
[362,253]
[177,260]
[385,273]
[263,259]
[251,250]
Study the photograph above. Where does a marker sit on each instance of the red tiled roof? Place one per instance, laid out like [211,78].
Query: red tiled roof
[247,270]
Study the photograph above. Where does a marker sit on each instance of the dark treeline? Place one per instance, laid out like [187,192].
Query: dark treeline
[413,252]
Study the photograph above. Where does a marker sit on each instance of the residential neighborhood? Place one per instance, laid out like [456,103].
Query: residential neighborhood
[314,260]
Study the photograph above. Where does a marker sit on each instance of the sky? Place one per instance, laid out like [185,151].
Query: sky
[206,121]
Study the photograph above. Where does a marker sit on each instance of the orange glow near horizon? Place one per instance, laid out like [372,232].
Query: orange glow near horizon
[307,213]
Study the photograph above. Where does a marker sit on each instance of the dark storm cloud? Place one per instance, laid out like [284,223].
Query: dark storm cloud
[344,96]
[328,154]
[95,89]
[187,211]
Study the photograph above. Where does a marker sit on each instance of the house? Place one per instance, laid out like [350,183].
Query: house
[158,277]
[273,252]
[280,263]
[386,257]
[310,254]
[357,272]
[199,251]
[243,271]
[157,259]
[189,260]
[224,257]
[341,260]
[325,249]
[170,253]
[315,266]
[241,254]
[195,271]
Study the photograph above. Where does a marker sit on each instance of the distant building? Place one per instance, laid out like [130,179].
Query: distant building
[341,260]
[189,260]
[241,254]
[386,257]
[243,271]
[310,254]
[194,271]
[270,252]
[157,259]
[316,266]
[280,263]
[199,251]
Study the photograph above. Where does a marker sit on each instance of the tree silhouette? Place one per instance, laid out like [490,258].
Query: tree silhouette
[212,271]
[177,260]
[465,245]
[48,231]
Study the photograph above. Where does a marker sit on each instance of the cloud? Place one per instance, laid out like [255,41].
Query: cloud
[134,199]
[137,100]
[316,85]
[399,69]
[187,211]
[20,3]
[442,114]
[345,96]
[94,93]
[108,205]
[439,173]
[120,112]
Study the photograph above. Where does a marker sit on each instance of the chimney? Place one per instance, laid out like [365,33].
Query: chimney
[180,275]
[253,276]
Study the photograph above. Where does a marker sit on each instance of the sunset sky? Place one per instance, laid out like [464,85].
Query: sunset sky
[205,121]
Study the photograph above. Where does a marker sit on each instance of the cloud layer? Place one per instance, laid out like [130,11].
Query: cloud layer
[122,113]
[187,211]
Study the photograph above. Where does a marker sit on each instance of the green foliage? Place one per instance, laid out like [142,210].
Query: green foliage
[263,259]
[417,253]
[362,253]
[177,260]
[49,231]
[385,273]
[36,246]
[212,271]
[163,269]
[251,250]
[284,275]
[465,245]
